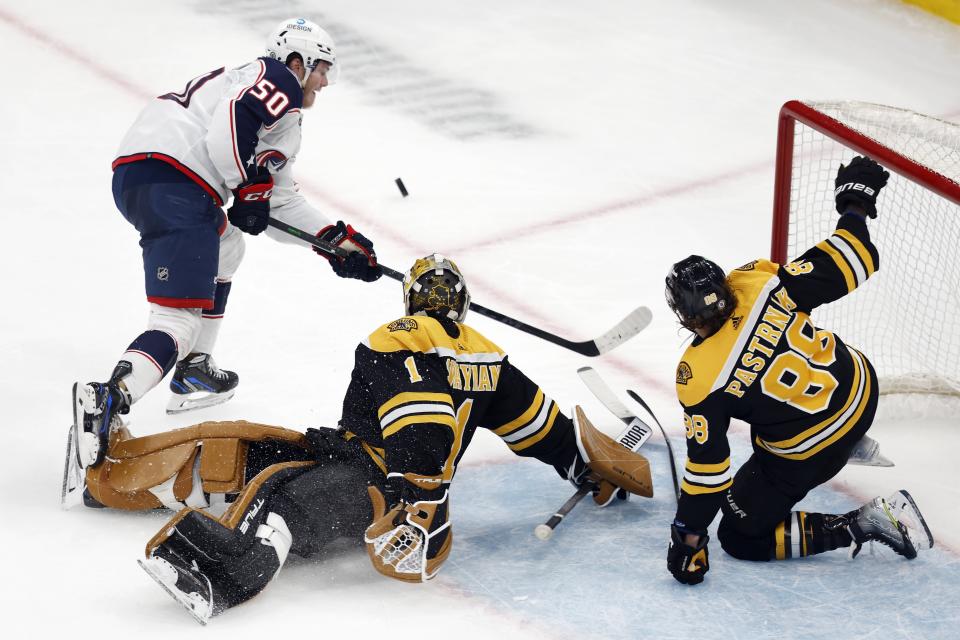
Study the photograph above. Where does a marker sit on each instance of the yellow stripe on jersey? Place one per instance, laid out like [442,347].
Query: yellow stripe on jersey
[419,418]
[411,397]
[859,247]
[822,435]
[841,263]
[697,467]
[524,418]
[539,435]
[706,478]
[423,334]
[693,490]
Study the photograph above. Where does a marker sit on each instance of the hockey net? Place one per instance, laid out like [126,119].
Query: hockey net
[906,318]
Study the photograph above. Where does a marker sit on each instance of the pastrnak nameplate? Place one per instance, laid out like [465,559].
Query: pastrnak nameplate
[684,373]
[403,324]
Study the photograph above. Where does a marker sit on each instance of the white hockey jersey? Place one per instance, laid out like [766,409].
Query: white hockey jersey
[225,126]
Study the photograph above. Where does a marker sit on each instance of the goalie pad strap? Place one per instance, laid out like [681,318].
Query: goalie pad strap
[612,461]
[161,469]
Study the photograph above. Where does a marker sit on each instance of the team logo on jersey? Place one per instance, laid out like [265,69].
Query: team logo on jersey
[748,267]
[403,324]
[684,373]
[272,159]
[163,274]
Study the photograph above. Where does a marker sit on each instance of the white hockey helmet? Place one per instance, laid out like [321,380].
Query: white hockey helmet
[306,39]
[435,286]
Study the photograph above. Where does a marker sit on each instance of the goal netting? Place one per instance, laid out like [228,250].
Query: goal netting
[906,318]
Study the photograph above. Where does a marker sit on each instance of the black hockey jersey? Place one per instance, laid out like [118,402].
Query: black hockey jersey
[421,387]
[799,387]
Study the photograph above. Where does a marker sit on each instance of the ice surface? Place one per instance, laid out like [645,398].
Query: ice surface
[565,154]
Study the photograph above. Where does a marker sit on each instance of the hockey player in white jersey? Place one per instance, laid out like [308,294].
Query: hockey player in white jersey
[228,133]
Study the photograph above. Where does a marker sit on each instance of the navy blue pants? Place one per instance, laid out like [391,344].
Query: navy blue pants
[180,227]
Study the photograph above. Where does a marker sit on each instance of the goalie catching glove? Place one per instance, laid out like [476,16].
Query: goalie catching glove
[612,468]
[411,540]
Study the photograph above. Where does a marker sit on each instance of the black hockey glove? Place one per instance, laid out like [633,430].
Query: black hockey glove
[859,184]
[362,261]
[687,564]
[251,203]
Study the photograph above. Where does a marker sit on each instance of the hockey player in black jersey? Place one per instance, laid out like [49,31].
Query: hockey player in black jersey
[420,388]
[809,399]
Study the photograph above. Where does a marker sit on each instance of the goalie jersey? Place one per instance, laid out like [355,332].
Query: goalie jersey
[421,387]
[799,387]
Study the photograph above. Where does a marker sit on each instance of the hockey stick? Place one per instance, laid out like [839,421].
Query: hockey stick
[673,464]
[635,322]
[633,437]
[545,530]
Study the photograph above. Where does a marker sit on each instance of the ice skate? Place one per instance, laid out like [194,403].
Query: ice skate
[185,584]
[197,382]
[97,408]
[866,453]
[894,521]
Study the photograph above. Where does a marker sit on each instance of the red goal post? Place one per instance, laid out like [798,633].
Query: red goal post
[906,319]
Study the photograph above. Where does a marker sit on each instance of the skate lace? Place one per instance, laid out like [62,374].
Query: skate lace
[211,369]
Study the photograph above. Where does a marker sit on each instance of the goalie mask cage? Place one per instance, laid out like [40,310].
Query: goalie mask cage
[906,318]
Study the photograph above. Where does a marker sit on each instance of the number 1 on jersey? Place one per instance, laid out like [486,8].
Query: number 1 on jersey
[412,370]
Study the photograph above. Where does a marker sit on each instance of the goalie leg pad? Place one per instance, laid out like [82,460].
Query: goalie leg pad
[182,467]
[235,555]
[611,461]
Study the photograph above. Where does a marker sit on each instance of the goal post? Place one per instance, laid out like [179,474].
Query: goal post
[906,318]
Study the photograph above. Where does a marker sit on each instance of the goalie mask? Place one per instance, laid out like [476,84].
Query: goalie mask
[307,40]
[435,286]
[697,291]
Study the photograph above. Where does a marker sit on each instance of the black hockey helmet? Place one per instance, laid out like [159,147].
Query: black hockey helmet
[435,286]
[697,291]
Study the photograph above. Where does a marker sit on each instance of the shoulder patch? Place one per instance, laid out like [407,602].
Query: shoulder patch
[403,324]
[684,373]
[750,266]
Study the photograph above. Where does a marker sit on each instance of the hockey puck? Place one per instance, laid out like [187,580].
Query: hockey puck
[403,189]
[543,532]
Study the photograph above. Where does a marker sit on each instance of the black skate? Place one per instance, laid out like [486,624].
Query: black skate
[894,521]
[185,583]
[97,408]
[197,382]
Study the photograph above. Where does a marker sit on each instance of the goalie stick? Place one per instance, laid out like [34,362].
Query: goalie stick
[609,399]
[632,437]
[673,464]
[635,322]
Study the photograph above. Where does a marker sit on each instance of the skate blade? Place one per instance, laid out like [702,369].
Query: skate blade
[74,481]
[876,460]
[921,536]
[197,400]
[200,616]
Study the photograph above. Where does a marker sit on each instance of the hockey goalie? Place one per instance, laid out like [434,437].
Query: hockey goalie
[247,495]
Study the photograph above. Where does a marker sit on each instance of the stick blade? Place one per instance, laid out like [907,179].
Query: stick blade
[635,322]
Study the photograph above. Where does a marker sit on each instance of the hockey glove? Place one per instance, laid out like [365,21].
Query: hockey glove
[577,472]
[859,184]
[251,204]
[362,261]
[688,564]
[411,540]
